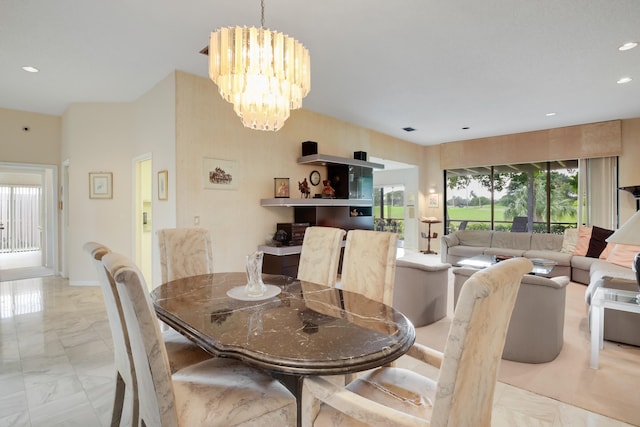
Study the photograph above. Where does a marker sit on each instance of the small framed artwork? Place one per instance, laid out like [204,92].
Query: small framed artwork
[281,187]
[163,182]
[218,174]
[433,201]
[100,185]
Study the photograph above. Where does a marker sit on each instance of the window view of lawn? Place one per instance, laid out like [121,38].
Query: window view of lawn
[388,209]
[546,194]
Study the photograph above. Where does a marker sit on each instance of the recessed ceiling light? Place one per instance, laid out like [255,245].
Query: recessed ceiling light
[628,45]
[30,69]
[408,129]
[550,114]
[624,80]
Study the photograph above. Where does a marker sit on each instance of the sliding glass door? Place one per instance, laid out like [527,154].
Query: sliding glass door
[539,197]
[20,215]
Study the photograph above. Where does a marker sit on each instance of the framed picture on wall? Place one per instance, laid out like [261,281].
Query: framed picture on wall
[218,174]
[433,201]
[163,182]
[281,187]
[100,185]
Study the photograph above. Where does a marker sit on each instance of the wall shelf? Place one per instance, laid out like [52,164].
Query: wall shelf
[289,202]
[325,159]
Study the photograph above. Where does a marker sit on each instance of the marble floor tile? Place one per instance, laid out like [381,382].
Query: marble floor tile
[56,364]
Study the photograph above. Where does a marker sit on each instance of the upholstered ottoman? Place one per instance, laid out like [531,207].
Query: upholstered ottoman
[536,329]
[420,291]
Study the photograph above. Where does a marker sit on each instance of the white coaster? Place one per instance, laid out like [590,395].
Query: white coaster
[240,292]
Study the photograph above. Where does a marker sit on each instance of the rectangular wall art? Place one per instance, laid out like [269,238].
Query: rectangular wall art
[100,185]
[163,182]
[220,174]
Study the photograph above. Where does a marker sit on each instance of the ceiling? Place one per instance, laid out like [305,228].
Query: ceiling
[494,66]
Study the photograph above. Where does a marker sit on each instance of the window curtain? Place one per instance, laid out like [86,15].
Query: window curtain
[598,188]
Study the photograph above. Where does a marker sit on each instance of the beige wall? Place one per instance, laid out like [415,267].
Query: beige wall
[629,166]
[574,142]
[97,138]
[155,134]
[208,127]
[40,145]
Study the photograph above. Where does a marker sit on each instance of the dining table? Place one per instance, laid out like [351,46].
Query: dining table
[295,329]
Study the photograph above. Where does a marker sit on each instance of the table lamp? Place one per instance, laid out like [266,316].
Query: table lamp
[629,234]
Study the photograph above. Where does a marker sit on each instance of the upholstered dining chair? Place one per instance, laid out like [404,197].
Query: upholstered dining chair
[463,392]
[181,351]
[216,392]
[369,264]
[320,255]
[184,252]
[126,389]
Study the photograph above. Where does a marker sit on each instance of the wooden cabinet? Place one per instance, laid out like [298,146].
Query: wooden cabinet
[281,264]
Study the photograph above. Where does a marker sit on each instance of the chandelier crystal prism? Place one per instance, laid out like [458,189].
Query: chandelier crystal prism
[263,73]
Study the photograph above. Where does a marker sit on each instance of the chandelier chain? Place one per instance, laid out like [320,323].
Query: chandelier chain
[261,13]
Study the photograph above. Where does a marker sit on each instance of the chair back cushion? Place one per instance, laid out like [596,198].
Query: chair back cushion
[114,311]
[320,255]
[475,343]
[184,252]
[369,264]
[155,397]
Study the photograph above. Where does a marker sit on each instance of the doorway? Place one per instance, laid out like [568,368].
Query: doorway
[143,220]
[29,217]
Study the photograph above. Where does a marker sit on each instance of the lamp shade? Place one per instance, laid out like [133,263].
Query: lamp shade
[629,233]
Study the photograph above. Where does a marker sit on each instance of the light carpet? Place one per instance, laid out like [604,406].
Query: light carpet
[611,390]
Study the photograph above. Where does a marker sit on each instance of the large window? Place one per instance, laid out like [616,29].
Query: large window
[538,197]
[388,209]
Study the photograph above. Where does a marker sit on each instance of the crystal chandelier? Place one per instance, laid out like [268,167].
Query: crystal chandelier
[263,73]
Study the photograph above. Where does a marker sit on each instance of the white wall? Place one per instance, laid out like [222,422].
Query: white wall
[97,138]
[155,133]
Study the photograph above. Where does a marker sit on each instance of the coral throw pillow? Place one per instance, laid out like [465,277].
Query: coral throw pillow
[623,255]
[597,242]
[607,251]
[582,245]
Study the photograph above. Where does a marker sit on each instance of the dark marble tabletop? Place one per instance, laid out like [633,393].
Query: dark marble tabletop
[307,329]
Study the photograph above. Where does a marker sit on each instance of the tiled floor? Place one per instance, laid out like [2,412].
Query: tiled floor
[56,364]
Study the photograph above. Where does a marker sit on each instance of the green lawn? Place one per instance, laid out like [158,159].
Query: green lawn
[475,213]
[483,213]
[471,213]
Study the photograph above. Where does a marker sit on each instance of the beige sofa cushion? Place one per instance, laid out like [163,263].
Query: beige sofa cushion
[569,240]
[546,242]
[506,239]
[474,238]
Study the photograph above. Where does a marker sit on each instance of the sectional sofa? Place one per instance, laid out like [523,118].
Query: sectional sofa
[595,272]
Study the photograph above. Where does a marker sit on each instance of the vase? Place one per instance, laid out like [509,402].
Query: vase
[255,286]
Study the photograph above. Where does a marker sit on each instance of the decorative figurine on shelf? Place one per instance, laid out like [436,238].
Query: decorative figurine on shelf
[327,190]
[354,212]
[303,186]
